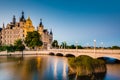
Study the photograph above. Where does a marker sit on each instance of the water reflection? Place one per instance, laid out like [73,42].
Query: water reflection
[45,68]
[34,68]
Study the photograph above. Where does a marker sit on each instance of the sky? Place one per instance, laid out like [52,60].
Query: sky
[72,21]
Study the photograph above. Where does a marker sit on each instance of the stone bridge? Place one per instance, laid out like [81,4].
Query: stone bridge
[98,53]
[90,52]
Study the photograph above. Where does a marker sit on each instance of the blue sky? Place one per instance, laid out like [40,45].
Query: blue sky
[71,20]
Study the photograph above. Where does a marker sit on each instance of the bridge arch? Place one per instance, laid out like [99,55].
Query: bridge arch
[110,59]
[59,54]
[51,53]
[109,56]
[69,55]
[86,55]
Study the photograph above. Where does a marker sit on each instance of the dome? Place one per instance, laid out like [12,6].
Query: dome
[29,22]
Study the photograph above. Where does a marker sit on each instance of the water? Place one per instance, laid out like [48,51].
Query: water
[43,68]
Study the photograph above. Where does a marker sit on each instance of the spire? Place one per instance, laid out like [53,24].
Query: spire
[22,13]
[40,22]
[29,18]
[14,19]
[22,17]
[51,33]
[3,25]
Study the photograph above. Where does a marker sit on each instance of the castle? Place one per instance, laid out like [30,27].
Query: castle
[18,30]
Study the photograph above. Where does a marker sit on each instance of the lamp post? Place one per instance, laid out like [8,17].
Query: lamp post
[102,45]
[64,43]
[76,45]
[94,46]
[55,45]
[87,46]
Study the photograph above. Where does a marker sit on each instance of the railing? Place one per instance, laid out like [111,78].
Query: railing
[107,51]
[71,51]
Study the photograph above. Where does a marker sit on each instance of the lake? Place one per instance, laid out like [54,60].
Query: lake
[44,67]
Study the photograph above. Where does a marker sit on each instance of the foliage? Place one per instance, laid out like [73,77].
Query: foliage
[55,44]
[19,45]
[115,47]
[11,48]
[64,45]
[74,47]
[33,39]
[84,65]
[3,48]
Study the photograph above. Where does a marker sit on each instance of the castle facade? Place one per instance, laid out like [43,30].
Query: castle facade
[18,30]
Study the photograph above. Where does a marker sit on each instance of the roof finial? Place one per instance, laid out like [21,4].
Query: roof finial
[14,19]
[22,12]
[51,32]
[22,17]
[40,22]
[40,19]
[3,25]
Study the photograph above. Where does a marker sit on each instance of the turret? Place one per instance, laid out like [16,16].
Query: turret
[14,19]
[22,17]
[40,27]
[3,26]
[29,22]
[51,33]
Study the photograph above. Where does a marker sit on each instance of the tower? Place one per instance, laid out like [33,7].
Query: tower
[40,27]
[22,19]
[51,33]
[51,36]
[29,23]
[14,19]
[3,26]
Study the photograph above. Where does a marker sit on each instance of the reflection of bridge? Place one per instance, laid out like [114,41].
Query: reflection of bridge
[74,52]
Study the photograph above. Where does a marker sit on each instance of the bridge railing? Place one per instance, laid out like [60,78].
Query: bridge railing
[86,50]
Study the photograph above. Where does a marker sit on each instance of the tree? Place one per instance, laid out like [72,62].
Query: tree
[80,47]
[64,45]
[115,47]
[10,48]
[55,44]
[72,47]
[33,39]
[19,45]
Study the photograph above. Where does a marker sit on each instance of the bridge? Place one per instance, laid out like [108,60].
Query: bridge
[98,53]
[89,52]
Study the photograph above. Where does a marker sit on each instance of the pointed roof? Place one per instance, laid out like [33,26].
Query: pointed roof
[3,25]
[41,25]
[28,18]
[22,17]
[51,33]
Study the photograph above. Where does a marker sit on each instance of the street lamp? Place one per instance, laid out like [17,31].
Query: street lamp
[87,46]
[55,45]
[94,46]
[64,43]
[76,45]
[102,45]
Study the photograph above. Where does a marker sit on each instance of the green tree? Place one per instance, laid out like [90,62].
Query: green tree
[72,47]
[19,45]
[55,44]
[11,48]
[115,47]
[3,48]
[80,47]
[33,39]
[64,45]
